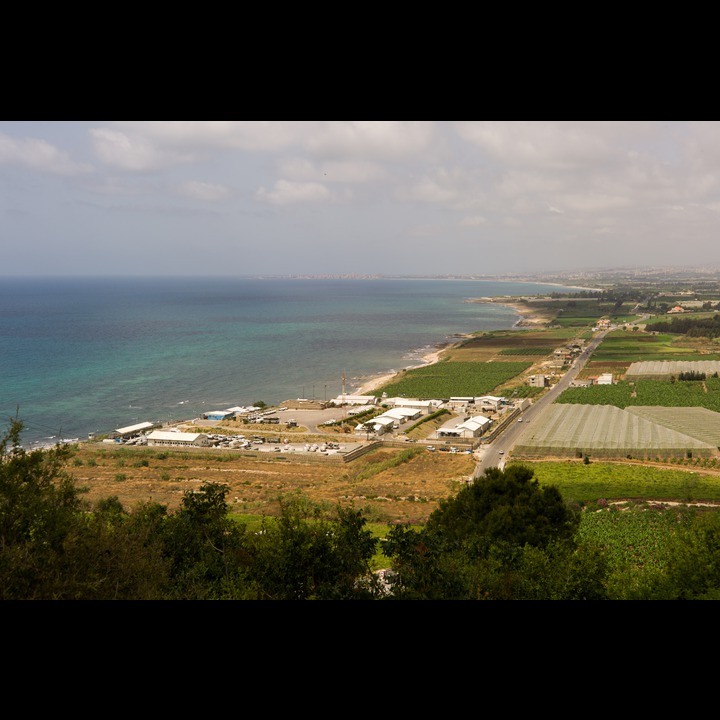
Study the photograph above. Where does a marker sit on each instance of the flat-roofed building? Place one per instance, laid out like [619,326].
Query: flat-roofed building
[355,400]
[380,424]
[159,437]
[492,402]
[426,406]
[472,427]
[133,429]
[218,414]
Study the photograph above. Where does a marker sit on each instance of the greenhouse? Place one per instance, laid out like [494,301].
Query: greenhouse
[605,431]
[662,369]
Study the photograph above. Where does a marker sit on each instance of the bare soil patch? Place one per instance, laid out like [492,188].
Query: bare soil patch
[405,493]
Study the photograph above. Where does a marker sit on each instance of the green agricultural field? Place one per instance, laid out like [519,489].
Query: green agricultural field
[581,483]
[575,321]
[624,346]
[447,379]
[635,542]
[694,393]
[604,431]
[489,346]
[525,351]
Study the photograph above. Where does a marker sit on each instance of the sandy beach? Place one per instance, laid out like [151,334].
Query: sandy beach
[375,382]
[528,318]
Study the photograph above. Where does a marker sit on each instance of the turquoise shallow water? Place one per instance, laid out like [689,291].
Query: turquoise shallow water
[80,355]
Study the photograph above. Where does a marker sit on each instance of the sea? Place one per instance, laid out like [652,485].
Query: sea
[82,356]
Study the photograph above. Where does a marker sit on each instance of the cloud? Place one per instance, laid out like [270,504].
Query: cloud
[454,188]
[218,134]
[133,151]
[287,192]
[39,155]
[374,140]
[473,221]
[542,144]
[203,190]
[301,168]
[520,186]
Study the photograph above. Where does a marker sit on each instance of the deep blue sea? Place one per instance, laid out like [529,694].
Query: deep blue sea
[82,355]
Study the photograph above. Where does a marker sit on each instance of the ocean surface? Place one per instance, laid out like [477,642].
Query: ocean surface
[89,355]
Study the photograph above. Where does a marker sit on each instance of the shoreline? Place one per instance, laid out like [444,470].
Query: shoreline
[367,387]
[528,318]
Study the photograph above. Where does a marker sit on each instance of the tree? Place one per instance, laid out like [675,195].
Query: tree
[205,549]
[506,506]
[312,553]
[692,569]
[503,537]
[53,546]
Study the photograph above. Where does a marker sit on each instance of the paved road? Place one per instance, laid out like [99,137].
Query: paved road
[495,454]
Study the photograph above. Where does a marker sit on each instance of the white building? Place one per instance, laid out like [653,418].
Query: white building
[472,427]
[355,400]
[605,379]
[492,402]
[380,424]
[158,437]
[134,429]
[401,414]
[390,418]
[427,406]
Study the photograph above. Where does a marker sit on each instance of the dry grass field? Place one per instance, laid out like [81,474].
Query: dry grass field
[408,492]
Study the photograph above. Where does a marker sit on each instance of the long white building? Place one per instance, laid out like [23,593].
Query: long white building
[159,437]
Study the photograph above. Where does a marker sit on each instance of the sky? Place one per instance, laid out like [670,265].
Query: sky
[229,198]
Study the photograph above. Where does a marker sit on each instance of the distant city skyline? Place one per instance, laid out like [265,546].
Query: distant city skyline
[411,198]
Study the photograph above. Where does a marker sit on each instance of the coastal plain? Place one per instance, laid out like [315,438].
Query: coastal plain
[394,482]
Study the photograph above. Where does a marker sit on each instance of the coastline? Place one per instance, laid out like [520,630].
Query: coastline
[529,318]
[367,387]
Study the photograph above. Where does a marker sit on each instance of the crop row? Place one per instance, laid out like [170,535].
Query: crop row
[648,392]
[447,379]
[578,482]
[525,351]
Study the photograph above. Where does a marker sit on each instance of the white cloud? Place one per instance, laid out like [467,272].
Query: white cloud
[522,184]
[454,188]
[287,192]
[39,155]
[370,139]
[203,190]
[125,151]
[473,221]
[594,202]
[300,168]
[542,144]
[227,134]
